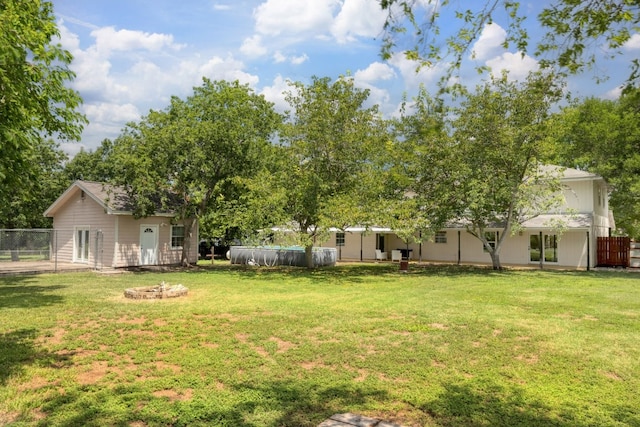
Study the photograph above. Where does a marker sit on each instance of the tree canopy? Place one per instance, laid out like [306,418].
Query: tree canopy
[195,149]
[603,137]
[574,32]
[35,101]
[330,139]
[501,140]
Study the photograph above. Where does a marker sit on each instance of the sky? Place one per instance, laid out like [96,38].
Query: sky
[132,56]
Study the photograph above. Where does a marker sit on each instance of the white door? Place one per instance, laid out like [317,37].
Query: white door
[148,245]
[81,254]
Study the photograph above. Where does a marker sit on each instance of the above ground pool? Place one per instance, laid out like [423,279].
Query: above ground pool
[280,255]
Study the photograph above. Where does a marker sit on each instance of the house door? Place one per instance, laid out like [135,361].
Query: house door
[148,245]
[82,245]
[547,248]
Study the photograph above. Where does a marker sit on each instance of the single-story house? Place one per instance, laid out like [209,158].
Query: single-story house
[93,224]
[585,216]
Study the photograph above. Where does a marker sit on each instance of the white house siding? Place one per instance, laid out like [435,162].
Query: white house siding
[579,196]
[84,213]
[128,252]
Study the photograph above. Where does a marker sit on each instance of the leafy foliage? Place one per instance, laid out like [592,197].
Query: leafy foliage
[195,149]
[575,31]
[34,100]
[501,133]
[603,137]
[330,140]
[23,207]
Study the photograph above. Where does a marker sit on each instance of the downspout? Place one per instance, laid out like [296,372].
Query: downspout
[361,246]
[542,248]
[116,244]
[588,252]
[459,250]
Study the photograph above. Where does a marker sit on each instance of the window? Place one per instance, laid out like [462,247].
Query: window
[550,248]
[177,236]
[441,237]
[339,239]
[492,239]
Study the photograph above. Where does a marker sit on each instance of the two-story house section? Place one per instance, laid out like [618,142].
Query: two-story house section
[564,238]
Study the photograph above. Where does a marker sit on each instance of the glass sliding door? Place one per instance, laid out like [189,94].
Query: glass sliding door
[547,248]
[82,245]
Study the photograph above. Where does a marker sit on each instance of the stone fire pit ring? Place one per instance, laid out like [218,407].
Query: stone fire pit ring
[160,291]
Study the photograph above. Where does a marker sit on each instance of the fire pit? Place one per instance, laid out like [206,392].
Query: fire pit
[162,290]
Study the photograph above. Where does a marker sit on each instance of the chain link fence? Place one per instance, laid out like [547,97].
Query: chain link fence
[26,245]
[21,247]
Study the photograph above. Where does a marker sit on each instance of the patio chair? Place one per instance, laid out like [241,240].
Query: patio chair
[396,255]
[381,256]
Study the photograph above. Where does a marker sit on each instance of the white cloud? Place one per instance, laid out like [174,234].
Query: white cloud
[489,42]
[276,17]
[358,18]
[297,60]
[109,40]
[413,76]
[220,6]
[105,112]
[517,65]
[276,93]
[374,72]
[614,93]
[633,43]
[227,69]
[279,57]
[252,46]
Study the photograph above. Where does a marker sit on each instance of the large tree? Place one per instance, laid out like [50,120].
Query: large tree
[92,165]
[603,137]
[574,32]
[44,182]
[332,146]
[501,139]
[422,172]
[195,150]
[35,101]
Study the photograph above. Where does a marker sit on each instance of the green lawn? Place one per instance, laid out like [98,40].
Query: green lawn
[440,346]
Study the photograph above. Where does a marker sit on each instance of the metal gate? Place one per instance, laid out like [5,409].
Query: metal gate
[613,251]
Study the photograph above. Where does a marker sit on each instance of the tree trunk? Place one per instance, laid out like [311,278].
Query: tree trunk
[495,260]
[308,256]
[186,244]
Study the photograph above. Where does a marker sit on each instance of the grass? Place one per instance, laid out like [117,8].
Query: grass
[440,346]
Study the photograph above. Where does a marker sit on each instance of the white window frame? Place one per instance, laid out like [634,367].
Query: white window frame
[440,237]
[493,241]
[340,238]
[172,236]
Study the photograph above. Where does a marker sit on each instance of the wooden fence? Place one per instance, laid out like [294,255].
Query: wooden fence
[613,251]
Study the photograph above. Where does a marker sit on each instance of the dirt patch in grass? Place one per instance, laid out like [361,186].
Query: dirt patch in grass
[34,383]
[613,376]
[161,366]
[96,372]
[173,395]
[210,345]
[7,418]
[283,346]
[132,321]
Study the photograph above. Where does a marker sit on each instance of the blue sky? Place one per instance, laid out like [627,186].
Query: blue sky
[131,56]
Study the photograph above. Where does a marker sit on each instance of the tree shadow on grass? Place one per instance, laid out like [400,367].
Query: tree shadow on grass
[494,405]
[280,403]
[17,350]
[19,292]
